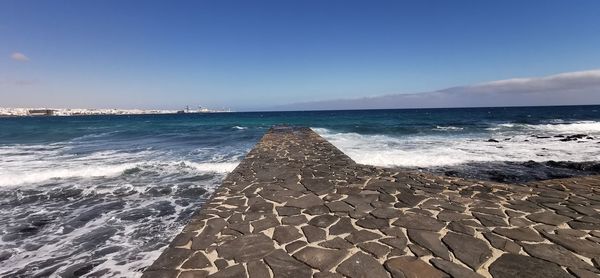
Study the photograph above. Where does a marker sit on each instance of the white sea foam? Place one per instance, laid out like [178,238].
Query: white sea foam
[17,177]
[436,150]
[448,128]
[216,167]
[556,127]
[240,127]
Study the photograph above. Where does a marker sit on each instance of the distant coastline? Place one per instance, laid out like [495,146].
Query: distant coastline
[33,112]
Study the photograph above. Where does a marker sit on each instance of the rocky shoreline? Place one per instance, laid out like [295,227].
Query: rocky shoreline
[299,207]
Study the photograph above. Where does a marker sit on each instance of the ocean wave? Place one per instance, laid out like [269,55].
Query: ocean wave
[240,127]
[448,128]
[555,127]
[436,150]
[24,176]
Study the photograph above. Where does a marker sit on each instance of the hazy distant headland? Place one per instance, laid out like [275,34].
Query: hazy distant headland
[21,112]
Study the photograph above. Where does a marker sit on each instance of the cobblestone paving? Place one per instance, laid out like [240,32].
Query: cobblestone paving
[299,207]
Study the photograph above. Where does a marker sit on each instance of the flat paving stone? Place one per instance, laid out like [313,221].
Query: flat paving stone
[313,233]
[411,267]
[376,249]
[343,226]
[454,270]
[471,251]
[362,236]
[319,258]
[556,254]
[246,248]
[548,217]
[258,269]
[234,271]
[430,241]
[580,246]
[323,221]
[196,261]
[283,265]
[521,234]
[306,201]
[339,206]
[361,265]
[337,243]
[420,222]
[285,234]
[296,206]
[513,265]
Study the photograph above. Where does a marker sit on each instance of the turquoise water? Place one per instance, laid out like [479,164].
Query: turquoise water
[101,195]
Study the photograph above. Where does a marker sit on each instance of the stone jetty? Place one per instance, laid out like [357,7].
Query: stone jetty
[296,206]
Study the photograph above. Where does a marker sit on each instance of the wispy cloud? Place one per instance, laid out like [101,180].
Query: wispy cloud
[18,56]
[571,88]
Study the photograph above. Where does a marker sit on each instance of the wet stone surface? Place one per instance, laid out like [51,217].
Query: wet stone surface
[298,207]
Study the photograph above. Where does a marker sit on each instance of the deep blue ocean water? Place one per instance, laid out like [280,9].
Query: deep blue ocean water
[101,195]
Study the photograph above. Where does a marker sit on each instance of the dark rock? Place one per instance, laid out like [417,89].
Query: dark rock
[291,247]
[342,227]
[317,210]
[521,234]
[461,228]
[418,250]
[322,259]
[327,275]
[396,242]
[556,254]
[420,222]
[171,258]
[502,243]
[263,224]
[375,249]
[160,274]
[313,233]
[198,260]
[548,217]
[193,274]
[221,263]
[493,141]
[373,223]
[472,251]
[294,220]
[361,236]
[246,248]
[580,246]
[490,220]
[323,221]
[234,271]
[386,213]
[431,241]
[409,199]
[306,201]
[361,265]
[453,269]
[283,265]
[582,273]
[411,267]
[258,269]
[513,265]
[287,211]
[336,243]
[339,206]
[285,234]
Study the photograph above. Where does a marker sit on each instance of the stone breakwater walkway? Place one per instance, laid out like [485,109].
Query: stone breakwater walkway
[299,207]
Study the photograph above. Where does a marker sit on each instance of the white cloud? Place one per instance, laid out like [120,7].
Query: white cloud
[571,88]
[18,56]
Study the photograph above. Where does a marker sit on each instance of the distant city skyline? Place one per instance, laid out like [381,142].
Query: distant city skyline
[298,55]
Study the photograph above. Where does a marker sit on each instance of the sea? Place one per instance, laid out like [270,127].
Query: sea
[101,196]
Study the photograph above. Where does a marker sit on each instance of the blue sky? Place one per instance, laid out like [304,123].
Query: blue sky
[256,54]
